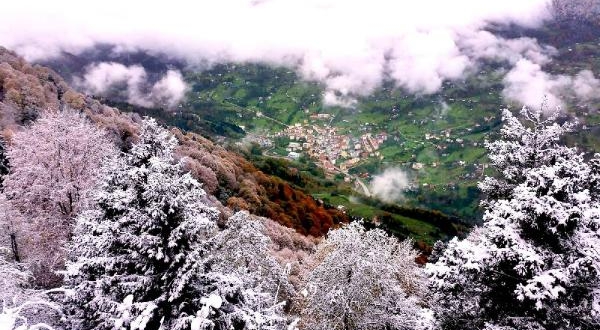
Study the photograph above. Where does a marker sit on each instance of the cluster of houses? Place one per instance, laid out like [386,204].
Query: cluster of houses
[333,151]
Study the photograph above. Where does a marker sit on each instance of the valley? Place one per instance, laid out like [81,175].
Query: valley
[300,165]
[339,143]
[439,143]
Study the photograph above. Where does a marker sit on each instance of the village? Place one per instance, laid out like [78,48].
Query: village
[332,151]
[338,150]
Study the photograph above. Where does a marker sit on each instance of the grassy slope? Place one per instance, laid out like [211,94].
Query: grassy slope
[229,96]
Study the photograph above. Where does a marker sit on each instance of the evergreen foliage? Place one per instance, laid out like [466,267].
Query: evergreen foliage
[534,263]
[144,257]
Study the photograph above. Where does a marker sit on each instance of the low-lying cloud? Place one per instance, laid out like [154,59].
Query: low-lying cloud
[170,89]
[350,46]
[390,185]
[132,85]
[586,86]
[528,84]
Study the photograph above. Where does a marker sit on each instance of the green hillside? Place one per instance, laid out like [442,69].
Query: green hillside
[437,139]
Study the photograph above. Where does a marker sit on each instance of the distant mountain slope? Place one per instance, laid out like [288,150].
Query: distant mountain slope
[26,89]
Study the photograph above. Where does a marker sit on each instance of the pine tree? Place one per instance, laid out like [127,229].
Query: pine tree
[150,255]
[534,263]
[138,253]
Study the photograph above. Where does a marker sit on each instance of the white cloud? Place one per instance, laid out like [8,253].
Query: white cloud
[331,99]
[421,61]
[586,86]
[527,84]
[170,90]
[349,45]
[131,83]
[485,45]
[107,77]
[390,185]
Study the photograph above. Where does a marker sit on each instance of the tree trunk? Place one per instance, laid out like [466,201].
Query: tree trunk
[15,247]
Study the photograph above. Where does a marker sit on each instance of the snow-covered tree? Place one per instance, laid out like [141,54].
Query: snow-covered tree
[147,255]
[243,250]
[11,225]
[22,308]
[291,249]
[54,164]
[252,284]
[535,261]
[13,279]
[364,280]
[136,254]
[576,10]
[4,166]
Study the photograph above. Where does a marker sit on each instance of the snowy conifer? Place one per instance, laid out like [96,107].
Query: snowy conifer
[137,254]
[149,256]
[534,263]
[365,280]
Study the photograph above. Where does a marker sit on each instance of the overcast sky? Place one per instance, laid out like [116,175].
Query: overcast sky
[349,45]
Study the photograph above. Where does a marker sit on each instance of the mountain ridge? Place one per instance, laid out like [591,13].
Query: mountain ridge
[27,89]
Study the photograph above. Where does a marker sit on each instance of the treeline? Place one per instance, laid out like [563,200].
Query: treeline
[134,242]
[184,120]
[303,173]
[449,225]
